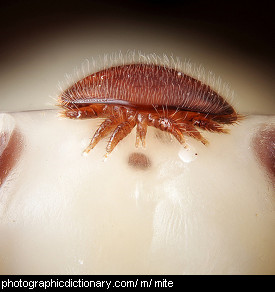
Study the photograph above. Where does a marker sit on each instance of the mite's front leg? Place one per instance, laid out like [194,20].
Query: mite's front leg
[120,132]
[103,130]
[87,112]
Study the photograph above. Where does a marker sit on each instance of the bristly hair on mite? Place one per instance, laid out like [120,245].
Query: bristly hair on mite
[148,91]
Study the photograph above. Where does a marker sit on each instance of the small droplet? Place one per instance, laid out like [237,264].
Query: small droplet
[187,154]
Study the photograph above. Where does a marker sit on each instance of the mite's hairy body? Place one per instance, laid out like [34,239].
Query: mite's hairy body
[145,95]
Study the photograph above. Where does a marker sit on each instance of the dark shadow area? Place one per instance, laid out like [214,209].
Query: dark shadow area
[247,26]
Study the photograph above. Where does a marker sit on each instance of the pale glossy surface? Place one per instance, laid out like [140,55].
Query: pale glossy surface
[61,212]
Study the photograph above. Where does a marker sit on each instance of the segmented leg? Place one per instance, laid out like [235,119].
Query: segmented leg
[120,132]
[191,131]
[104,129]
[177,134]
[228,119]
[167,125]
[141,129]
[209,125]
[86,112]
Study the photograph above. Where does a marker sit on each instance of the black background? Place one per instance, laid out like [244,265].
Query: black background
[245,25]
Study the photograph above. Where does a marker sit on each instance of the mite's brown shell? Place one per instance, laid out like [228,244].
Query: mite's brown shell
[146,95]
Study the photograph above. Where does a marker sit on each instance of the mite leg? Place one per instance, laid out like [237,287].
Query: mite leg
[228,119]
[167,125]
[191,131]
[141,129]
[87,112]
[209,125]
[104,129]
[120,132]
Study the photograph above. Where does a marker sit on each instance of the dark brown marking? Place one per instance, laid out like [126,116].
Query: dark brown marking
[10,154]
[139,161]
[263,144]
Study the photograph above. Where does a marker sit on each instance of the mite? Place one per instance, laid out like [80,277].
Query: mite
[145,95]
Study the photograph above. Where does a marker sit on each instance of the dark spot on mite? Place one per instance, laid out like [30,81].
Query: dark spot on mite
[11,152]
[263,144]
[139,161]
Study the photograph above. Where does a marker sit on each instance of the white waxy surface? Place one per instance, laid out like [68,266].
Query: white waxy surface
[65,213]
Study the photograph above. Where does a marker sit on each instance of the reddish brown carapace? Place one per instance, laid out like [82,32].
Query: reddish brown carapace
[145,95]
